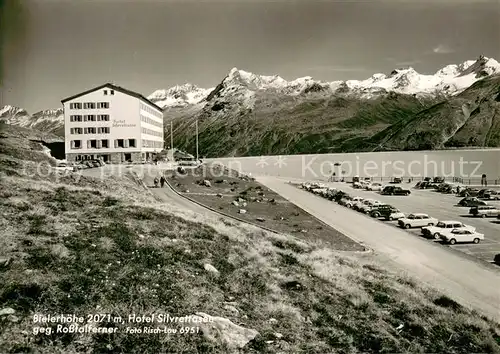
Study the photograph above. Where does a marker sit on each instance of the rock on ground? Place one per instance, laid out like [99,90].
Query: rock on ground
[222,330]
[210,268]
[7,311]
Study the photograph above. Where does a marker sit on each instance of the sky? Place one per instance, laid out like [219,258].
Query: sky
[52,49]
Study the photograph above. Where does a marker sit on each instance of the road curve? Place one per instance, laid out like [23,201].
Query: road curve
[470,283]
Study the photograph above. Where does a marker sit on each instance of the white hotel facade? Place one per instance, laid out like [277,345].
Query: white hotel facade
[112,123]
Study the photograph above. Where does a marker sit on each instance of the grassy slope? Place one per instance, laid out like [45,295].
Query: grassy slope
[85,246]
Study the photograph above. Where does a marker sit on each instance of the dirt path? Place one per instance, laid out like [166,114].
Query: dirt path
[469,283]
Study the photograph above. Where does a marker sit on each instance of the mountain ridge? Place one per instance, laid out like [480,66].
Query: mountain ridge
[311,116]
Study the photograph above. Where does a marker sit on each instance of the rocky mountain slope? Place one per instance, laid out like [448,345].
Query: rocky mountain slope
[472,118]
[249,114]
[50,121]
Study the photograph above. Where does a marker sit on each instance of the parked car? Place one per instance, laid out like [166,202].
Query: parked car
[360,184]
[485,211]
[393,190]
[482,192]
[468,192]
[359,204]
[350,202]
[460,235]
[374,186]
[332,192]
[471,201]
[438,179]
[492,195]
[433,231]
[388,212]
[382,210]
[417,220]
[367,207]
[319,191]
[396,180]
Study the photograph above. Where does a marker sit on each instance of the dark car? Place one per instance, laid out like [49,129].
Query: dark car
[393,190]
[471,202]
[496,259]
[427,179]
[438,180]
[483,192]
[468,192]
[396,180]
[382,210]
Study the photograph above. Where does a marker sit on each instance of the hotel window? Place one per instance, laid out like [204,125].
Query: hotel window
[105,144]
[103,105]
[89,105]
[103,130]
[105,92]
[76,144]
[112,92]
[89,117]
[92,144]
[131,143]
[75,106]
[103,117]
[76,130]
[119,143]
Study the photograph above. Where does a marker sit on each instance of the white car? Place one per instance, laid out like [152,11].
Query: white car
[361,203]
[433,231]
[396,215]
[493,195]
[320,191]
[375,186]
[417,220]
[360,184]
[460,235]
[354,200]
[368,206]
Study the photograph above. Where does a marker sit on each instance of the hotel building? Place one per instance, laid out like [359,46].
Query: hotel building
[112,123]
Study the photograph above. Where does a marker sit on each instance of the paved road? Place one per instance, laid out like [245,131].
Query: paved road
[469,282]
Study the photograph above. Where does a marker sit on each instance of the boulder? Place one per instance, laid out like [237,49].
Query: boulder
[219,195]
[4,262]
[232,309]
[242,211]
[241,200]
[235,203]
[207,183]
[7,311]
[222,331]
[210,268]
[260,219]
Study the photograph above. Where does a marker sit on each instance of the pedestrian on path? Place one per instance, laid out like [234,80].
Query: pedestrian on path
[162,181]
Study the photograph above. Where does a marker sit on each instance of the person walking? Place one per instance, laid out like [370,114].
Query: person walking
[162,181]
[156,182]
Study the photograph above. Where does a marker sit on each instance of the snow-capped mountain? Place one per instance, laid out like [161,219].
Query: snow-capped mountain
[14,116]
[51,120]
[242,91]
[241,86]
[179,96]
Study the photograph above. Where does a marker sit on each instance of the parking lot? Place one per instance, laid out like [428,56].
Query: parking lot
[442,207]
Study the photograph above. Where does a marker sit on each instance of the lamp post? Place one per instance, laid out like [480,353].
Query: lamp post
[197,159]
[171,136]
